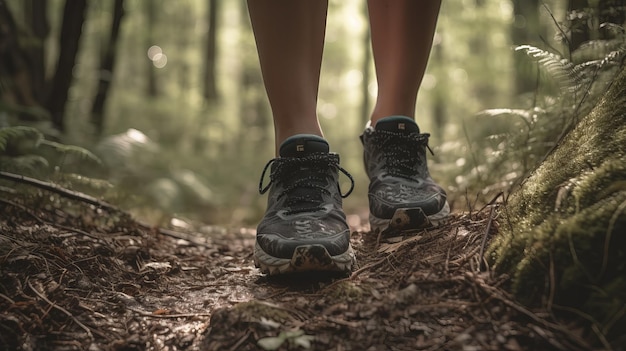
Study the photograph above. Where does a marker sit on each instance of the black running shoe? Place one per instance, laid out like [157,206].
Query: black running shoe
[402,195]
[304,227]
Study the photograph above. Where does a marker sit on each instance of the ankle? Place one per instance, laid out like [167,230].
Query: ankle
[377,117]
[284,134]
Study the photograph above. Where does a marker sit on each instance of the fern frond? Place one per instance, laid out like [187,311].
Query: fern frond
[614,58]
[9,134]
[597,49]
[574,78]
[23,164]
[564,72]
[528,116]
[504,112]
[82,153]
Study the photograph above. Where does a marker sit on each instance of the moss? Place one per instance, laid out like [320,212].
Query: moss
[346,291]
[565,228]
[606,304]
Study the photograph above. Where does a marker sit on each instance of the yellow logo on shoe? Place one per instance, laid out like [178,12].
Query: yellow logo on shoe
[299,147]
[401,126]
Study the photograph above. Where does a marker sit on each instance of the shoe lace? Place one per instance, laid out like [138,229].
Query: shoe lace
[402,153]
[304,179]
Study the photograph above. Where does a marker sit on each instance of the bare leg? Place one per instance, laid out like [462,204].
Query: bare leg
[402,35]
[290,40]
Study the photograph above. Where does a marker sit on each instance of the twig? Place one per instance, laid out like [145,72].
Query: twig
[7,298]
[52,304]
[177,315]
[176,235]
[241,340]
[447,264]
[52,224]
[24,209]
[481,257]
[607,237]
[366,267]
[601,337]
[493,201]
[74,195]
[92,201]
[521,309]
[552,288]
[357,272]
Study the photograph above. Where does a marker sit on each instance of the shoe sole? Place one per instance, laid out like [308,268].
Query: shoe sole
[408,219]
[306,258]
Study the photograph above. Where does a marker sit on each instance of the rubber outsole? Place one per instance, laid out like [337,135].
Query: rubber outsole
[405,219]
[306,258]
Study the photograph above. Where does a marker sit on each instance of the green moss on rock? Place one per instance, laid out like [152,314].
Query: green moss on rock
[563,236]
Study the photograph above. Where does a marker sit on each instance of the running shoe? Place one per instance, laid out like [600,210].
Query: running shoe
[304,227]
[402,195]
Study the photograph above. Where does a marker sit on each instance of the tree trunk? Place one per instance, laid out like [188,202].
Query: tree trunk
[71,31]
[16,92]
[565,228]
[439,94]
[107,67]
[210,59]
[254,110]
[524,31]
[37,20]
[152,88]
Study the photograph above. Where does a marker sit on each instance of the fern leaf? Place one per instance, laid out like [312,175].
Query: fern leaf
[82,153]
[561,70]
[9,134]
[499,112]
[23,164]
[597,49]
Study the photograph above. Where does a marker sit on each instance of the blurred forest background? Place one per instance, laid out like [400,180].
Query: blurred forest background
[158,106]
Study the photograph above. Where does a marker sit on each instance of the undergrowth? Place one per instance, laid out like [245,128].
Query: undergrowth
[123,169]
[506,144]
[562,234]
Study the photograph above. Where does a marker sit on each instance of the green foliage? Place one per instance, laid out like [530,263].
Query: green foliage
[18,147]
[226,143]
[565,223]
[145,178]
[25,150]
[572,78]
[19,139]
[565,228]
[72,151]
[511,142]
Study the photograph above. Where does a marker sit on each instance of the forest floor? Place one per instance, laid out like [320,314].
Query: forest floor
[77,278]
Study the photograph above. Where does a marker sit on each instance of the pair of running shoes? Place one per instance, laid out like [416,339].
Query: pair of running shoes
[304,227]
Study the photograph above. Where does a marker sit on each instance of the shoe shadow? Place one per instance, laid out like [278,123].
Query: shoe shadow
[305,282]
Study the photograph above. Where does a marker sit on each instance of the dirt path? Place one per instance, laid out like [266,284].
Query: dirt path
[97,281]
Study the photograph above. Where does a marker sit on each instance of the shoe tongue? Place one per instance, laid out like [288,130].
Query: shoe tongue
[301,145]
[397,124]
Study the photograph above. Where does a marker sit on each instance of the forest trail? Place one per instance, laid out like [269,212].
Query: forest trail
[84,279]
